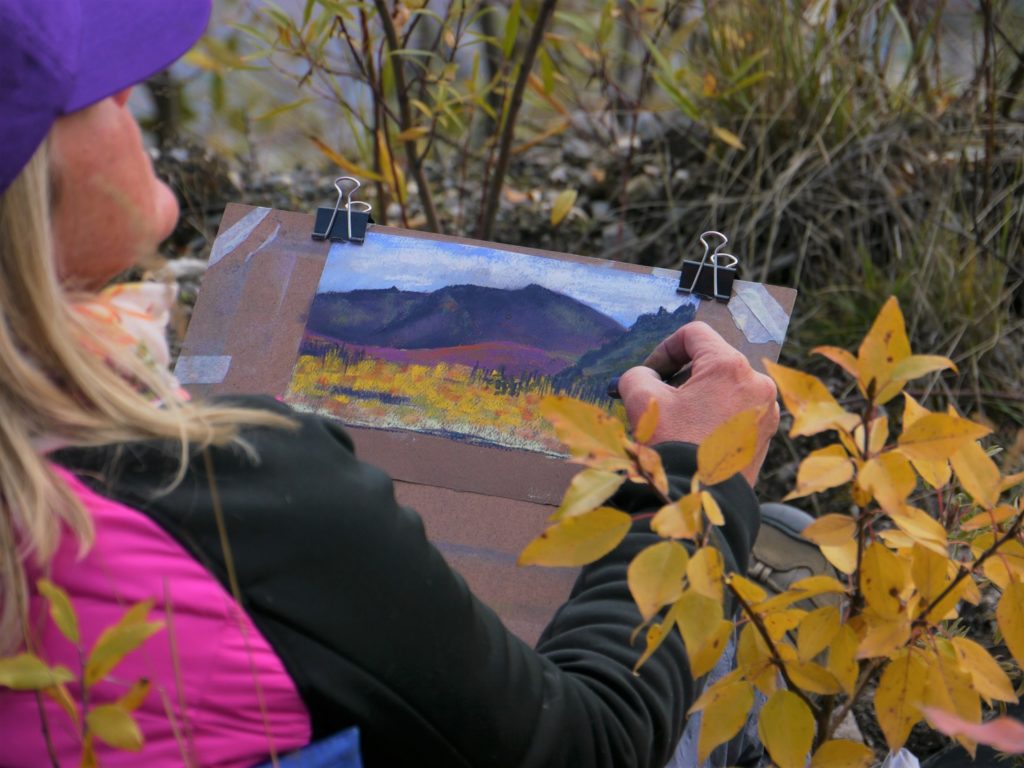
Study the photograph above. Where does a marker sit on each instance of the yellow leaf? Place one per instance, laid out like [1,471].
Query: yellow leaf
[877,436]
[1010,618]
[754,661]
[899,692]
[578,540]
[730,448]
[843,753]
[831,530]
[705,572]
[115,726]
[885,345]
[655,576]
[26,672]
[949,688]
[883,635]
[411,134]
[822,469]
[391,171]
[840,357]
[710,85]
[588,490]
[813,678]
[935,473]
[816,631]
[920,526]
[988,677]
[978,474]
[61,610]
[813,408]
[704,659]
[62,696]
[930,571]
[936,436]
[724,716]
[889,478]
[778,623]
[88,753]
[562,205]
[656,634]
[116,642]
[727,137]
[711,508]
[1006,565]
[842,557]
[648,422]
[883,577]
[989,518]
[714,690]
[916,366]
[747,589]
[1010,481]
[946,608]
[135,696]
[804,589]
[819,585]
[699,621]
[842,658]
[586,430]
[344,163]
[679,520]
[650,461]
[786,728]
[896,539]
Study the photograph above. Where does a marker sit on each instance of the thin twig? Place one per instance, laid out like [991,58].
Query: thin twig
[772,649]
[405,114]
[490,209]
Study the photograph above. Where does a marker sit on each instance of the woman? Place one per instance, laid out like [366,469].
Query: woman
[296,597]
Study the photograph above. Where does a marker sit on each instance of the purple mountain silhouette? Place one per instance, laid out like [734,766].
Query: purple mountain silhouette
[459,315]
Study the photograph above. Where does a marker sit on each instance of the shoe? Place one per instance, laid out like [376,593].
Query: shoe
[781,556]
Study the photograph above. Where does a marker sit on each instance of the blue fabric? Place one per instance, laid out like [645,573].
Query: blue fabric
[744,748]
[338,751]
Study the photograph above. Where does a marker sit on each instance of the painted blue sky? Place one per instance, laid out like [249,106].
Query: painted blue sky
[419,264]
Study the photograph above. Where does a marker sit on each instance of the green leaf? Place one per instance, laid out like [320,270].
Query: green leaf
[118,641]
[27,672]
[114,725]
[61,610]
[283,109]
[547,70]
[508,44]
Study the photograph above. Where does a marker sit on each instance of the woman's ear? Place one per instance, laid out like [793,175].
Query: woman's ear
[121,97]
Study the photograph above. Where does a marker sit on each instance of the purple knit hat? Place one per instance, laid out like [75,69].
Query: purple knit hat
[58,56]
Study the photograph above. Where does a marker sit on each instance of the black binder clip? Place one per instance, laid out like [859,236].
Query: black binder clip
[352,226]
[710,277]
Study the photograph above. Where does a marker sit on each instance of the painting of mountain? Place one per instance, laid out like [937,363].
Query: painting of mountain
[465,340]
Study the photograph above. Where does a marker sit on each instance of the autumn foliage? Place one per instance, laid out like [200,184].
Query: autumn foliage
[930,528]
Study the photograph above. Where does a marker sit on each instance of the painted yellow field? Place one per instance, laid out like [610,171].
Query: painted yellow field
[453,400]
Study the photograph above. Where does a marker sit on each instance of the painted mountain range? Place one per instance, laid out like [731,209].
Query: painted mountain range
[525,331]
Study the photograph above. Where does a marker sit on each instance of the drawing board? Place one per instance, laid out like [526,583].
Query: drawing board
[435,352]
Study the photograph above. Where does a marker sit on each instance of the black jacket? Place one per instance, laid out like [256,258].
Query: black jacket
[377,631]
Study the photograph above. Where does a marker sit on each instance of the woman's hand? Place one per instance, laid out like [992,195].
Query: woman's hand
[721,384]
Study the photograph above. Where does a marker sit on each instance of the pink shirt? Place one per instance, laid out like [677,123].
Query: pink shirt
[220,695]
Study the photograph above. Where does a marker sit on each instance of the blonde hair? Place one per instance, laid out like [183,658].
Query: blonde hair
[54,387]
